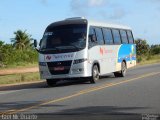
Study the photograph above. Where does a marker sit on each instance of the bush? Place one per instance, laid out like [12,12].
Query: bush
[146,52]
[12,56]
[149,56]
[139,59]
[155,49]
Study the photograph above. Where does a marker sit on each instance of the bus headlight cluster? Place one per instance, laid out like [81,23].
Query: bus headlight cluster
[42,64]
[79,61]
[44,73]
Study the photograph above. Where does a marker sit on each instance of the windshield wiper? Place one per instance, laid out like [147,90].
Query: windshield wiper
[48,49]
[68,47]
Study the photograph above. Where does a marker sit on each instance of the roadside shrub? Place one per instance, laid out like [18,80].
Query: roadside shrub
[149,56]
[12,56]
[155,49]
[139,59]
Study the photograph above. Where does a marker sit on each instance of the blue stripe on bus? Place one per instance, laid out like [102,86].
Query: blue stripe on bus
[127,52]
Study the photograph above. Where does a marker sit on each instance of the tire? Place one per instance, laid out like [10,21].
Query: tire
[95,74]
[51,82]
[117,74]
[123,71]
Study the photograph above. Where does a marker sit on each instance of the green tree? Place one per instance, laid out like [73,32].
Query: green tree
[22,40]
[1,43]
[142,47]
[155,49]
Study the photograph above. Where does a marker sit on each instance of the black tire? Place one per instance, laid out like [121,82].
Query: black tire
[117,74]
[51,82]
[123,71]
[95,74]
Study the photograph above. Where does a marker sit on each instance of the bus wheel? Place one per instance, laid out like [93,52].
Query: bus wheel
[123,71]
[95,74]
[51,82]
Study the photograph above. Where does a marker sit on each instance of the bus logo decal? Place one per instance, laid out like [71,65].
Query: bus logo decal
[101,51]
[48,57]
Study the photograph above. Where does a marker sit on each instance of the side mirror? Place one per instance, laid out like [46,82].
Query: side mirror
[35,43]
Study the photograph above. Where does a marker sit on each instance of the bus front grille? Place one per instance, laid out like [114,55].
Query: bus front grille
[60,67]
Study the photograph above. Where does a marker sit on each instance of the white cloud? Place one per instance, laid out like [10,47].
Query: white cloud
[96,3]
[97,9]
[82,7]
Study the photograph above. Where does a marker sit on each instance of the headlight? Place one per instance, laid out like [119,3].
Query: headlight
[79,61]
[42,64]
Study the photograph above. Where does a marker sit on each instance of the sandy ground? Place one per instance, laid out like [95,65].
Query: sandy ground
[18,70]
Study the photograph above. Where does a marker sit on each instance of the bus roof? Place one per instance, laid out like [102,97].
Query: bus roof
[82,20]
[108,24]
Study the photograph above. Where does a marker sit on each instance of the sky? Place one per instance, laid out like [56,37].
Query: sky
[143,16]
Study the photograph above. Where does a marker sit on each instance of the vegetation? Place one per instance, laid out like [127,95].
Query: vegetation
[150,60]
[19,78]
[146,53]
[155,49]
[20,52]
[22,40]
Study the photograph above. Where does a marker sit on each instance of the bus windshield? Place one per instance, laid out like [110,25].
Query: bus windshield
[64,37]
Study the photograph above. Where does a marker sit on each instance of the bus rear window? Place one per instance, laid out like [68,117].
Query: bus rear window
[124,36]
[130,37]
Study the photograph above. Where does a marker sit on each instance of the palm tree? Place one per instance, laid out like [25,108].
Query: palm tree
[22,40]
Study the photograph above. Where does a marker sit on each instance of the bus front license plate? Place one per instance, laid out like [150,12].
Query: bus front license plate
[58,68]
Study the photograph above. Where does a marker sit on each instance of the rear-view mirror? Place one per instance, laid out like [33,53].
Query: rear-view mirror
[35,43]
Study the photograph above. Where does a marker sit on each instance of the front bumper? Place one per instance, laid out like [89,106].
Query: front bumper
[76,71]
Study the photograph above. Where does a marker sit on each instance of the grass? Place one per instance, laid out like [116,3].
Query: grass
[20,65]
[149,59]
[19,78]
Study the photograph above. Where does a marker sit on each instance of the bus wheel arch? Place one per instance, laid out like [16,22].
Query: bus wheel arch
[123,68]
[122,72]
[125,62]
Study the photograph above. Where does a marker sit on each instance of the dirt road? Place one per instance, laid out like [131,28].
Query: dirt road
[18,70]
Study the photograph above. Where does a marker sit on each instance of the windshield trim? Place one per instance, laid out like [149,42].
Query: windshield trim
[72,43]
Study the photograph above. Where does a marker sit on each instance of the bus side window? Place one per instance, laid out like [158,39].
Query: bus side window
[108,36]
[99,36]
[116,36]
[130,37]
[124,36]
[92,37]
